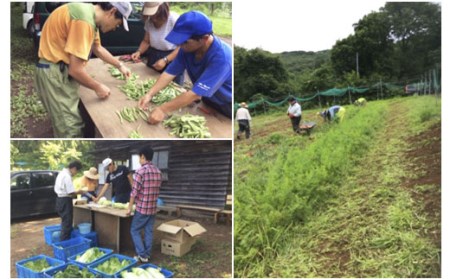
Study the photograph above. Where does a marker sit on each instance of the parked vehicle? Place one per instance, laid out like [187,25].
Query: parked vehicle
[411,89]
[117,42]
[32,193]
[27,17]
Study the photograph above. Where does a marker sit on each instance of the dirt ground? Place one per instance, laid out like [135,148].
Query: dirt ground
[27,240]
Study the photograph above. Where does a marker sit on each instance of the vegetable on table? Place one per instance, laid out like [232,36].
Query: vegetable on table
[131,114]
[188,126]
[118,75]
[167,94]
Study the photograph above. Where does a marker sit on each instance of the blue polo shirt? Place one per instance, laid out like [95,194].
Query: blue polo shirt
[212,75]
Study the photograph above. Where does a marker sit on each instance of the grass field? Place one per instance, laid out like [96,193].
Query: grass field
[355,199]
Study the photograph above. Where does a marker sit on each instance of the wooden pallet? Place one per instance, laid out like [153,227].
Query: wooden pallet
[227,213]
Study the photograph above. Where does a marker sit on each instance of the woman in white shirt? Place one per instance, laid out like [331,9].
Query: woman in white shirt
[159,21]
[295,114]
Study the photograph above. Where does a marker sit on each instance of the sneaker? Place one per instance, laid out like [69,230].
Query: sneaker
[141,259]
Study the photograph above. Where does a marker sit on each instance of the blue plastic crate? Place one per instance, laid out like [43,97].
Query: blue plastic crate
[92,236]
[92,267]
[165,272]
[64,249]
[51,234]
[25,272]
[51,273]
[106,251]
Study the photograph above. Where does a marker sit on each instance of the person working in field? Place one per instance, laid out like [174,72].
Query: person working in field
[69,35]
[360,102]
[207,61]
[334,113]
[243,118]
[295,114]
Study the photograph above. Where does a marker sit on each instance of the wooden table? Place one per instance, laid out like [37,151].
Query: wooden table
[111,224]
[106,121]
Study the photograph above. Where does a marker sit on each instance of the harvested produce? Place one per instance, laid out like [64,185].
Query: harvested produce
[135,90]
[118,75]
[90,255]
[131,114]
[188,126]
[138,272]
[73,271]
[135,135]
[166,95]
[112,265]
[38,265]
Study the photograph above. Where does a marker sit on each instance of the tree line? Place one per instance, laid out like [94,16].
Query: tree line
[397,44]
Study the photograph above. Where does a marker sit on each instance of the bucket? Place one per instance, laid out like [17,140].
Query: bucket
[84,228]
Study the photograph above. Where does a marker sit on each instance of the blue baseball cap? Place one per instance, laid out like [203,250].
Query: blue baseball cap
[193,23]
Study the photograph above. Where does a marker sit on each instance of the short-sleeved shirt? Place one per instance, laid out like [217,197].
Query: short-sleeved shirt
[146,185]
[63,184]
[69,30]
[243,114]
[157,35]
[212,75]
[119,180]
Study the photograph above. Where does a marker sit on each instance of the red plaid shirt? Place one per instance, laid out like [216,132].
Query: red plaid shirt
[147,181]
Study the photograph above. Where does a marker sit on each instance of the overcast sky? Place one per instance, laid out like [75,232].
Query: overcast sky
[288,25]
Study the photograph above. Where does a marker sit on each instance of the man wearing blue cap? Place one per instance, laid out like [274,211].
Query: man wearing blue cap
[69,35]
[206,59]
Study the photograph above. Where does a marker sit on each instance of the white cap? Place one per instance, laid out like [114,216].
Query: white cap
[106,162]
[125,9]
[150,8]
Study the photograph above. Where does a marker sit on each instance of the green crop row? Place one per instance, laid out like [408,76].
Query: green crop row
[294,185]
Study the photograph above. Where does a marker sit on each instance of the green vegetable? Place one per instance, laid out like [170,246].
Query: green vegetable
[118,75]
[188,126]
[38,265]
[112,265]
[90,255]
[73,271]
[135,90]
[166,95]
[131,114]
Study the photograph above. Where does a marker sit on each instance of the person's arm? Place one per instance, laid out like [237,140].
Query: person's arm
[130,179]
[130,206]
[77,71]
[143,46]
[102,192]
[163,62]
[107,57]
[159,113]
[163,80]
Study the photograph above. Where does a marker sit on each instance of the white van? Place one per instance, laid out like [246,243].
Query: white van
[27,18]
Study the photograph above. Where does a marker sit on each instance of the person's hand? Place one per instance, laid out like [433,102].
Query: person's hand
[103,91]
[125,71]
[94,199]
[159,65]
[128,212]
[136,56]
[156,116]
[143,102]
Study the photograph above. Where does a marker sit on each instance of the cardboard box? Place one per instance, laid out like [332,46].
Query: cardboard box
[174,248]
[181,231]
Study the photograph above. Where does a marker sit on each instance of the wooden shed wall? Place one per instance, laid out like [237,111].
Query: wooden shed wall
[199,172]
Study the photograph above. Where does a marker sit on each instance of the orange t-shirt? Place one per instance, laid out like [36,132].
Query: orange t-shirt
[69,30]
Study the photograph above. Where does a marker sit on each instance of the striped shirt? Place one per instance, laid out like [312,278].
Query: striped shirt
[146,184]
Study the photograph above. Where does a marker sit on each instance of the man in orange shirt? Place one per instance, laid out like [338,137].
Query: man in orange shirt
[69,35]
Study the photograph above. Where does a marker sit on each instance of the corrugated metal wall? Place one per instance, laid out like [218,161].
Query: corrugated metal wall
[199,172]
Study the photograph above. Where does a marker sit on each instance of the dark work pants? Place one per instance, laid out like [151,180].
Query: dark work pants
[64,208]
[244,126]
[296,123]
[224,109]
[156,54]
